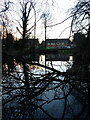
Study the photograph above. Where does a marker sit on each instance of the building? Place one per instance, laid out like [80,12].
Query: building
[29,44]
[57,43]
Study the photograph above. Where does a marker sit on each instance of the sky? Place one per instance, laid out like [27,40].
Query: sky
[58,10]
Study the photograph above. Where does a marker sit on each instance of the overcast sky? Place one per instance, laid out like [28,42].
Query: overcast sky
[58,10]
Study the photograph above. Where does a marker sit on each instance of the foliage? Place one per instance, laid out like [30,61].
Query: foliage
[8,42]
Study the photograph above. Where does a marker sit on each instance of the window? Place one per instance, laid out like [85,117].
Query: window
[52,43]
[48,43]
[62,43]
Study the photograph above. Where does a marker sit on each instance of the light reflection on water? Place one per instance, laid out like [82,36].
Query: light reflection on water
[55,107]
[58,65]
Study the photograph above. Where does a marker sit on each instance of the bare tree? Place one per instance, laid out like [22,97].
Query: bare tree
[5,7]
[27,12]
[81,16]
[26,93]
[81,26]
[4,19]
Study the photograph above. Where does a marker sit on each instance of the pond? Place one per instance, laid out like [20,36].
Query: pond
[55,98]
[55,95]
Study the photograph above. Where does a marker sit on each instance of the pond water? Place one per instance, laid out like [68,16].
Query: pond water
[57,64]
[56,104]
[54,101]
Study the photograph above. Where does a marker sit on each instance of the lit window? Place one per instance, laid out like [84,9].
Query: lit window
[48,43]
[52,43]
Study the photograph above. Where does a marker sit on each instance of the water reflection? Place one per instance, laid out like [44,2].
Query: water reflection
[53,94]
[57,57]
[47,90]
[57,63]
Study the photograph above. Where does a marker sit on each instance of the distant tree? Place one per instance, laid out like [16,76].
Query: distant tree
[9,42]
[80,40]
[5,7]
[80,28]
[8,47]
[81,16]
[4,19]
[27,10]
